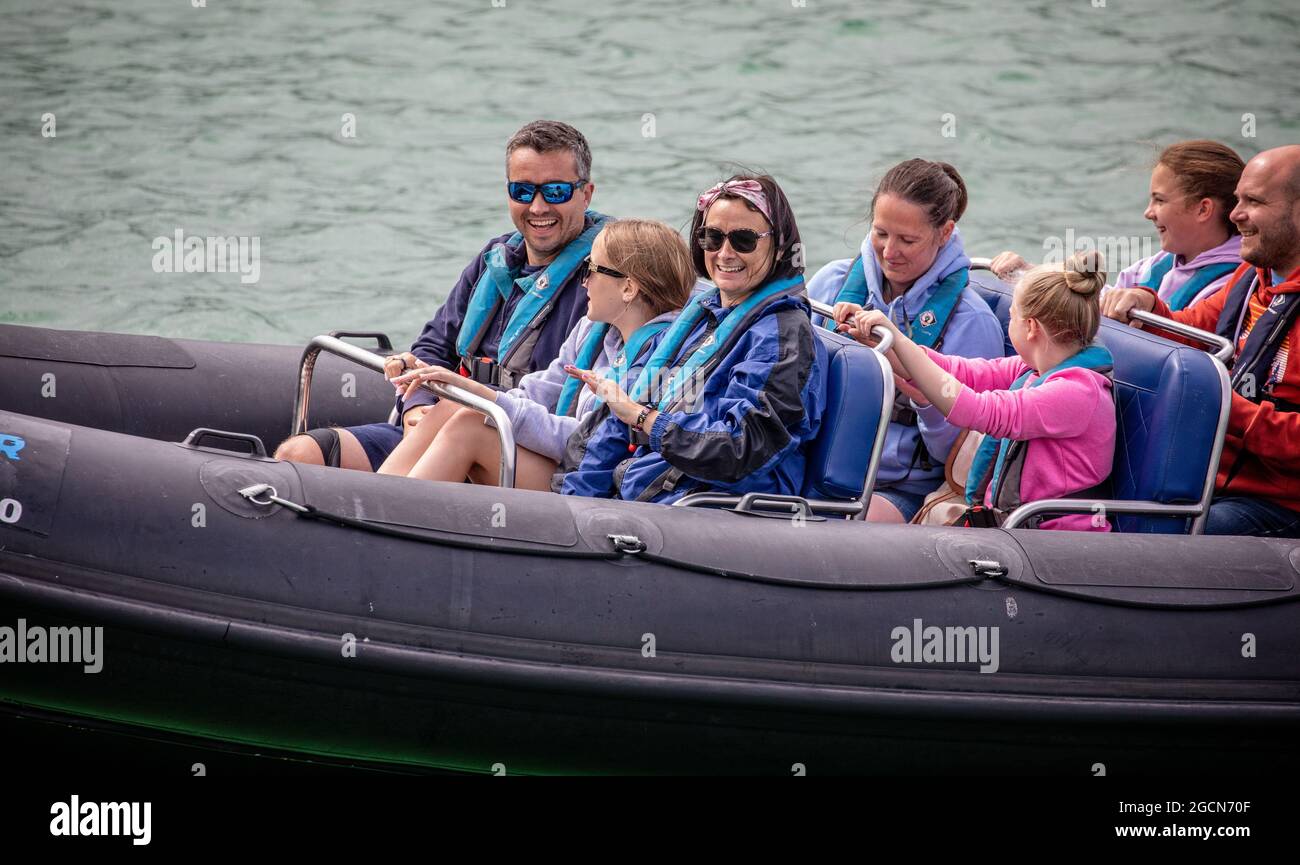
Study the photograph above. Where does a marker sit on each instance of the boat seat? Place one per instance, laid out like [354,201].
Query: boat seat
[997,294]
[855,405]
[842,459]
[1172,401]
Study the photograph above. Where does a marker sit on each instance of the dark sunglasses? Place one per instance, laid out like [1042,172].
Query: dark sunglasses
[742,239]
[556,192]
[600,268]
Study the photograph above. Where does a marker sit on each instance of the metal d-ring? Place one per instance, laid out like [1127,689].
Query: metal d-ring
[272,497]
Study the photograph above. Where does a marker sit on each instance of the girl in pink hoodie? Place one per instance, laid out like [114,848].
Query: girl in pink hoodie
[1047,414]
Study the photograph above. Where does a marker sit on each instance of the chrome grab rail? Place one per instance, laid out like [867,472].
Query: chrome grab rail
[845,509]
[1224,349]
[370,360]
[884,334]
[1023,513]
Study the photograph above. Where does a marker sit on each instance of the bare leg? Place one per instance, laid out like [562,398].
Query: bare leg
[468,448]
[416,441]
[303,449]
[882,510]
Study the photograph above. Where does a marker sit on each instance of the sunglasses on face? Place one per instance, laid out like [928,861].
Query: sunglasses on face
[742,239]
[592,267]
[556,192]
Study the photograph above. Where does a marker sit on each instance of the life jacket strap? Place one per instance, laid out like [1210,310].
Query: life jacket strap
[483,370]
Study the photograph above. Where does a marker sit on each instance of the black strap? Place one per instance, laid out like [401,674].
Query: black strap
[978,517]
[1262,344]
[327,439]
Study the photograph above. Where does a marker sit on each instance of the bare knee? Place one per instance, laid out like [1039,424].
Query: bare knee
[461,423]
[882,510]
[300,449]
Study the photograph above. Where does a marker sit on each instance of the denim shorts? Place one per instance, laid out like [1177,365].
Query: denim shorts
[907,503]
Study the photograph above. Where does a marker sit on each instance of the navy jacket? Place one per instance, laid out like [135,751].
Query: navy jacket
[437,343]
[746,431]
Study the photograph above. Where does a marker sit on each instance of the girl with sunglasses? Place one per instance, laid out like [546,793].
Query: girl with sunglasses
[912,267]
[639,277]
[735,388]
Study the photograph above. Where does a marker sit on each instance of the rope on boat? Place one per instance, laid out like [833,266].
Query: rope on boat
[623,546]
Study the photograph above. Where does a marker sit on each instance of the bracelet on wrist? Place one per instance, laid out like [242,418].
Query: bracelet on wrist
[640,418]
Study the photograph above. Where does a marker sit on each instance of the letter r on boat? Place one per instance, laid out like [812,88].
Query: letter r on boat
[10,445]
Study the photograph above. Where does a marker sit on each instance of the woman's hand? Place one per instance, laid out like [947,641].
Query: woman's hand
[620,404]
[842,313]
[608,390]
[395,365]
[407,382]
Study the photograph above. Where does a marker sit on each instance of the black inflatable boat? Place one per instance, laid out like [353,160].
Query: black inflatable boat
[419,626]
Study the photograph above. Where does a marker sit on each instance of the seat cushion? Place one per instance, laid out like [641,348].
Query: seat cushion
[839,457]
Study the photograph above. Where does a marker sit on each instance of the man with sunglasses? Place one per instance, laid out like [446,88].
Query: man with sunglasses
[512,307]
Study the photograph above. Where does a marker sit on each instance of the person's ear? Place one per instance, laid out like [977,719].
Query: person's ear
[630,290]
[945,233]
[1205,210]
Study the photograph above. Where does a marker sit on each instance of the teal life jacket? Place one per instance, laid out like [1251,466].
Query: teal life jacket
[711,350]
[928,327]
[590,350]
[495,285]
[1157,272]
[998,463]
[1198,281]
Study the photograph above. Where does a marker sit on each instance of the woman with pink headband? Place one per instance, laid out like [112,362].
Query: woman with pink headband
[736,386]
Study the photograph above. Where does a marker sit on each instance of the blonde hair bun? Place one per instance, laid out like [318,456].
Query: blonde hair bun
[1085,272]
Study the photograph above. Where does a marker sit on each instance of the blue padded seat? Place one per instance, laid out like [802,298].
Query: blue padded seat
[1168,396]
[997,294]
[839,457]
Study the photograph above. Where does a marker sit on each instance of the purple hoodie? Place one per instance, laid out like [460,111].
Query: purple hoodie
[1228,252]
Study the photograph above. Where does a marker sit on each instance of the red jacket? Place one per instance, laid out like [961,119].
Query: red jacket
[1265,440]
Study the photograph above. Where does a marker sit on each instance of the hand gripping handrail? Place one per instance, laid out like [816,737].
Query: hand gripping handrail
[370,360]
[882,333]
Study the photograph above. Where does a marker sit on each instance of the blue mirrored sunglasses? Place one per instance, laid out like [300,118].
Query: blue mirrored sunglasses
[556,192]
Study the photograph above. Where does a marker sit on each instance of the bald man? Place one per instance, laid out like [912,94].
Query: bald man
[1257,491]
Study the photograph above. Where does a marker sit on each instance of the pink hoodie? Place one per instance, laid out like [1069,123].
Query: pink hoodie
[1069,421]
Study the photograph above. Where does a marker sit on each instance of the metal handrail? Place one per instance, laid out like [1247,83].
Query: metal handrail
[845,509]
[882,333]
[882,429]
[1025,512]
[1224,347]
[370,360]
